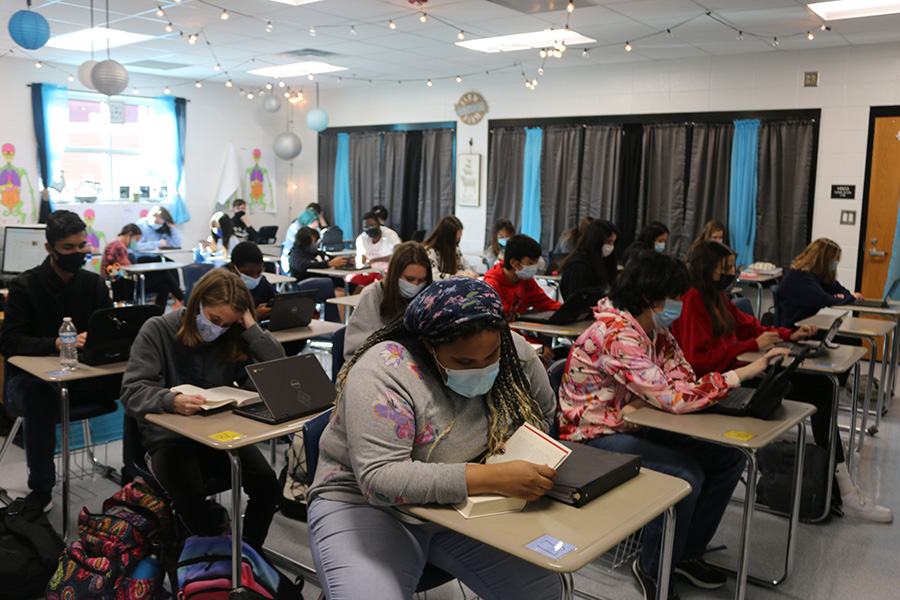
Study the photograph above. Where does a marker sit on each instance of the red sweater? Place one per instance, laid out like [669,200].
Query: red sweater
[694,333]
[518,297]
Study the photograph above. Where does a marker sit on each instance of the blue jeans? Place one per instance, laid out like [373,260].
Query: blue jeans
[361,551]
[713,472]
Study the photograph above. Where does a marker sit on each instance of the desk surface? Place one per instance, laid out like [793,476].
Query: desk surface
[759,278]
[42,367]
[314,329]
[352,300]
[154,266]
[270,248]
[330,272]
[275,278]
[892,310]
[571,330]
[238,431]
[549,277]
[592,529]
[837,360]
[745,432]
[165,251]
[851,325]
[347,252]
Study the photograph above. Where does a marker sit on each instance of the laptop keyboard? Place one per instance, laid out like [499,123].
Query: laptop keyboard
[263,412]
[738,398]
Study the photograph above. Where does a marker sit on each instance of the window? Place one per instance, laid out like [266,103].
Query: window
[102,159]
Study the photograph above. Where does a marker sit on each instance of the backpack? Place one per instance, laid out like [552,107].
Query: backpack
[293,480]
[29,551]
[204,572]
[332,239]
[121,554]
[776,466]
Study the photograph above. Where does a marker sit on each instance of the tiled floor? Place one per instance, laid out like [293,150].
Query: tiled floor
[844,558]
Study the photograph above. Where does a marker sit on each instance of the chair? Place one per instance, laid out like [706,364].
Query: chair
[135,463]
[337,352]
[192,274]
[432,577]
[325,288]
[744,305]
[555,373]
[776,302]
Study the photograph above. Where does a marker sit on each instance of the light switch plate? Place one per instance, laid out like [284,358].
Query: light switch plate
[848,217]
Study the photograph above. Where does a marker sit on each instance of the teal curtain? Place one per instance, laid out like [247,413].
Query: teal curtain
[50,108]
[531,183]
[168,156]
[743,189]
[343,216]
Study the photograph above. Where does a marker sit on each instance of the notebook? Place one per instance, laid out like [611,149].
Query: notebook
[290,388]
[590,472]
[577,307]
[762,401]
[111,332]
[291,310]
[874,303]
[815,347]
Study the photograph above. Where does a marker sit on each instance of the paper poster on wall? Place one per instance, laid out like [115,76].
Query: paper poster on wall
[257,185]
[17,194]
[468,179]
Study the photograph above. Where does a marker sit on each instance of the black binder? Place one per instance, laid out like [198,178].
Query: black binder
[590,472]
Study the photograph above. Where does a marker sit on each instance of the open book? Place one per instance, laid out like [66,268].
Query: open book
[218,397]
[529,444]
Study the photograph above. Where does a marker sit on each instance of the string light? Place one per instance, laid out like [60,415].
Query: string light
[740,35]
[228,83]
[810,36]
[668,33]
[542,53]
[169,27]
[198,85]
[628,47]
[268,86]
[167,91]
[134,91]
[224,16]
[287,95]
[192,39]
[461,35]
[775,42]
[217,67]
[281,84]
[269,26]
[428,83]
[585,53]
[423,18]
[540,70]
[249,95]
[71,78]
[38,65]
[312,30]
[458,79]
[293,186]
[310,77]
[352,30]
[392,25]
[159,11]
[570,6]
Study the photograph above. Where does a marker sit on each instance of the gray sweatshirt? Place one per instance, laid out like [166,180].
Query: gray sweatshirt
[389,414]
[159,362]
[366,318]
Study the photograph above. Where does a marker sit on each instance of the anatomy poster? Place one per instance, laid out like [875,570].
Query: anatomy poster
[258,178]
[18,183]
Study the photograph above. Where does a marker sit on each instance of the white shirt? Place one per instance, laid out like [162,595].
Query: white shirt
[366,247]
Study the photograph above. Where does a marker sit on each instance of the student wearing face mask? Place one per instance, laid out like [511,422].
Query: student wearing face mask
[652,238]
[372,246]
[442,244]
[501,231]
[514,280]
[247,263]
[37,302]
[409,272]
[420,404]
[157,232]
[593,262]
[628,359]
[206,344]
[116,253]
[221,240]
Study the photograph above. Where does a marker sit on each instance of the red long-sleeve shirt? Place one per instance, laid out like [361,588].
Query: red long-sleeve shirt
[518,297]
[694,332]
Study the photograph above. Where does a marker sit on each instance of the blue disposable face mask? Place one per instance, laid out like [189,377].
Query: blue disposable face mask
[157,226]
[132,245]
[250,282]
[209,331]
[659,246]
[471,382]
[409,290]
[671,311]
[217,232]
[527,272]
[502,242]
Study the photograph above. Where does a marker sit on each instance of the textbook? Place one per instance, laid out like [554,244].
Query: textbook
[591,472]
[218,397]
[529,444]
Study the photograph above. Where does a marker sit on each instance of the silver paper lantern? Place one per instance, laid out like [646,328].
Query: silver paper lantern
[287,145]
[109,77]
[84,73]
[272,103]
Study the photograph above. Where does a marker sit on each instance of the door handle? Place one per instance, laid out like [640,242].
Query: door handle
[874,252]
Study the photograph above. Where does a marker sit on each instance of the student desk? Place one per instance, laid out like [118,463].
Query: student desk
[270,249]
[759,281]
[572,330]
[141,269]
[832,364]
[46,368]
[892,311]
[748,435]
[592,529]
[279,280]
[341,253]
[342,273]
[224,430]
[350,302]
[315,328]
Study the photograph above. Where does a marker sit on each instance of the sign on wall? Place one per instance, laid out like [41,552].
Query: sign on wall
[468,180]
[471,108]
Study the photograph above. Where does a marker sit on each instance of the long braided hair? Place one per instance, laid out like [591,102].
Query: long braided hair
[509,403]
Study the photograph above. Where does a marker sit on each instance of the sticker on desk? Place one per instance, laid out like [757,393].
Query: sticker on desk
[550,547]
[227,436]
[826,365]
[866,331]
[739,435]
[59,373]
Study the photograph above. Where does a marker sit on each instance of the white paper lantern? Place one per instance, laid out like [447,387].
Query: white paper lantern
[109,77]
[272,103]
[84,73]
[287,145]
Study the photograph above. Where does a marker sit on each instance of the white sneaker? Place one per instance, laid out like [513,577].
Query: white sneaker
[856,504]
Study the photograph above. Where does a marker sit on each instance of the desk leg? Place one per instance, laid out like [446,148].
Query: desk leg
[854,406]
[894,356]
[833,441]
[887,357]
[143,285]
[665,555]
[743,567]
[236,520]
[568,585]
[64,423]
[759,289]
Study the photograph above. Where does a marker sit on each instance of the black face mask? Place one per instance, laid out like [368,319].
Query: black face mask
[373,232]
[70,263]
[725,281]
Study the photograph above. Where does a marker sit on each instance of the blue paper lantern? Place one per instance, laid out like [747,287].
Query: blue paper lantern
[29,29]
[317,119]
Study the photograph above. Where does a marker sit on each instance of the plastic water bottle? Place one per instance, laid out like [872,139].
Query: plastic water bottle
[68,337]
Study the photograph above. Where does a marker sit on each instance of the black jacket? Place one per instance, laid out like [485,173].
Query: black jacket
[301,261]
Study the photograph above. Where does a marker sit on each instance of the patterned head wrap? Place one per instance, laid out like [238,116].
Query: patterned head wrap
[449,302]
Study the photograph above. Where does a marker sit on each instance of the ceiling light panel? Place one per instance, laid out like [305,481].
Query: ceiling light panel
[526,41]
[854,9]
[96,39]
[296,69]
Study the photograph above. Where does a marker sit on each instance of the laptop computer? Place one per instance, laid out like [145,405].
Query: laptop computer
[761,402]
[874,303]
[294,309]
[815,347]
[577,307]
[290,388]
[266,234]
[111,332]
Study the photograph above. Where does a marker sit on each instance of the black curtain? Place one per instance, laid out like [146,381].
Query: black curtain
[629,183]
[504,186]
[327,157]
[784,180]
[560,173]
[661,191]
[40,134]
[409,222]
[709,175]
[601,165]
[364,149]
[436,177]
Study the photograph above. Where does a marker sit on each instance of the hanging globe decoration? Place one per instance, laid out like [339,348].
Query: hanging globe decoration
[287,145]
[272,103]
[317,119]
[109,77]
[29,29]
[84,73]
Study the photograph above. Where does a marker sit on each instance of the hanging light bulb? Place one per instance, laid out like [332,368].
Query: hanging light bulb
[461,35]
[228,83]
[824,27]
[71,78]
[585,53]
[352,30]
[310,77]
[38,65]
[217,67]
[428,83]
[293,186]
[198,84]
[557,54]
[775,42]
[740,35]
[570,6]
[241,93]
[159,11]
[668,33]
[287,95]
[192,39]
[269,26]
[562,47]
[627,46]
[224,16]
[312,30]
[458,79]
[810,36]
[169,28]
[527,84]
[423,18]
[392,25]
[540,70]
[134,91]
[281,84]
[542,53]
[268,86]
[534,83]
[167,91]
[249,95]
